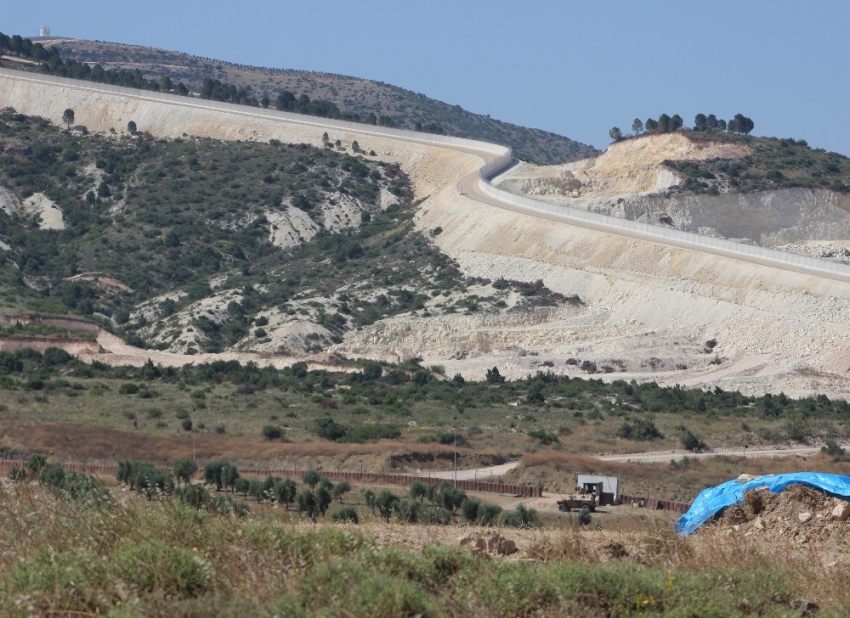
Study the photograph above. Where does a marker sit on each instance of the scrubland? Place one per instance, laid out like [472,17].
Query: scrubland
[129,557]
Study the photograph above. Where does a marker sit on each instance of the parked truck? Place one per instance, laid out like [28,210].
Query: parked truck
[587,495]
[591,491]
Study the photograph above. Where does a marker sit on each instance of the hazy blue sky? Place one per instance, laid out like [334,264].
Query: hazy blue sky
[575,68]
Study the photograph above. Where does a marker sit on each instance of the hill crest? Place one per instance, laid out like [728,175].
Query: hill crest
[350,94]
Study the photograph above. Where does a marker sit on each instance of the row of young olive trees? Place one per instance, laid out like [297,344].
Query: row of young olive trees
[441,504]
[424,503]
[74,485]
[312,500]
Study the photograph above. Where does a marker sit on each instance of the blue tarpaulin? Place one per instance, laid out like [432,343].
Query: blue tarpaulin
[715,499]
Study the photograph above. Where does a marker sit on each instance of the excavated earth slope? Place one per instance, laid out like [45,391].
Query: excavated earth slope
[630,182]
[648,308]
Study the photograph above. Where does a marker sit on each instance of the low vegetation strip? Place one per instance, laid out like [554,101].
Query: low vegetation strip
[530,491]
[361,477]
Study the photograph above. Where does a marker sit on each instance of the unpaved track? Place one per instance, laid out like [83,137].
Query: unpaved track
[478,474]
[746,453]
[484,474]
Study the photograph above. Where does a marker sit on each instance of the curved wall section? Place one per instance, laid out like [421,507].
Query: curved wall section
[496,160]
[468,145]
[657,234]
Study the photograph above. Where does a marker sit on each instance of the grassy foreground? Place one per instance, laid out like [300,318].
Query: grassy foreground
[133,558]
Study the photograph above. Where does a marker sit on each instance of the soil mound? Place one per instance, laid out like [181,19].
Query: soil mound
[799,514]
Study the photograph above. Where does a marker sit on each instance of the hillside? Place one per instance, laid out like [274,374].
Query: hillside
[350,94]
[198,245]
[646,311]
[777,193]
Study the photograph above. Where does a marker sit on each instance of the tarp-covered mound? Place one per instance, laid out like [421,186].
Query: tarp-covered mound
[715,499]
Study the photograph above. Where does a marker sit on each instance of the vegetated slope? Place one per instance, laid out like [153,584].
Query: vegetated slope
[770,163]
[365,401]
[200,245]
[350,94]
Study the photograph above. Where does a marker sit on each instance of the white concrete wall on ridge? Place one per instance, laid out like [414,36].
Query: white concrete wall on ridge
[501,159]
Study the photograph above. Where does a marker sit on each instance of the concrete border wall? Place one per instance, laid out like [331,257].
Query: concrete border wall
[501,160]
[657,234]
[259,112]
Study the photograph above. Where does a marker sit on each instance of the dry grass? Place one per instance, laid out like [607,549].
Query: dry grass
[101,444]
[59,558]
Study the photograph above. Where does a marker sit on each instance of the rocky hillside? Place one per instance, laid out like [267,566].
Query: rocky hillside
[350,94]
[772,192]
[199,245]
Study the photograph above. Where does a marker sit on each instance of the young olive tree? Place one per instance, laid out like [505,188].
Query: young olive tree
[341,488]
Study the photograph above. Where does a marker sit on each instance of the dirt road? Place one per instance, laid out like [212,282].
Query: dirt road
[747,453]
[650,457]
[477,474]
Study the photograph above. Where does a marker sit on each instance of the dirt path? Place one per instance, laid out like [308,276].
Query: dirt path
[477,474]
[747,453]
[649,457]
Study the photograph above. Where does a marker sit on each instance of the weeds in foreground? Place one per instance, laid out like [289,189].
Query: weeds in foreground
[133,557]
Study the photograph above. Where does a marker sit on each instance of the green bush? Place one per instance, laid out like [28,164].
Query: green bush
[346,514]
[639,430]
[312,478]
[407,510]
[305,502]
[155,566]
[446,437]
[488,514]
[184,470]
[469,509]
[833,449]
[522,517]
[543,436]
[449,497]
[128,389]
[797,428]
[692,442]
[272,432]
[341,488]
[145,478]
[418,490]
[284,492]
[385,503]
[221,473]
[329,429]
[36,463]
[435,515]
[192,495]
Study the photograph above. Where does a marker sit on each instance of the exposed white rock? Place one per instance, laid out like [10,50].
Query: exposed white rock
[8,202]
[50,215]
